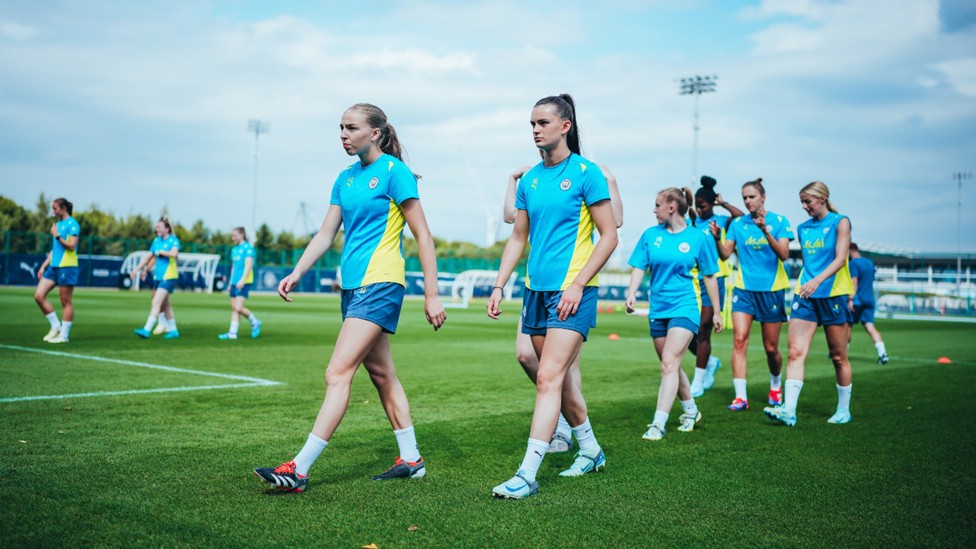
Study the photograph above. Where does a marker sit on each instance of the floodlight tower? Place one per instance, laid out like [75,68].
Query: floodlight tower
[696,85]
[959,177]
[258,127]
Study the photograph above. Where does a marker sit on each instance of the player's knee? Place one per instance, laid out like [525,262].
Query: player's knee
[669,365]
[797,353]
[527,359]
[549,381]
[338,374]
[838,357]
[740,342]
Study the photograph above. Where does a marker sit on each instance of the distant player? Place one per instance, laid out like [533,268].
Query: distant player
[559,201]
[706,199]
[672,252]
[163,253]
[761,241]
[241,278]
[820,299]
[562,439]
[60,268]
[862,276]
[372,199]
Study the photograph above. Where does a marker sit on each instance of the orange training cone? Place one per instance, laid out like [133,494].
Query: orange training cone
[613,337]
[944,360]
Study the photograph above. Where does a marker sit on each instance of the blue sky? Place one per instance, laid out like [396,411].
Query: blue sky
[137,106]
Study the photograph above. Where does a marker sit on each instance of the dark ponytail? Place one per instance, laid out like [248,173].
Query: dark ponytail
[565,107]
[63,203]
[707,190]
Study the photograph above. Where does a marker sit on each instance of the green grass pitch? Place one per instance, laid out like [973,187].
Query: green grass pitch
[173,468]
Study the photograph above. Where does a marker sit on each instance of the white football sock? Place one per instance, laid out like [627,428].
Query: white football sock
[563,429]
[66,328]
[52,317]
[310,452]
[880,346]
[534,453]
[407,440]
[792,396]
[739,383]
[660,418]
[586,438]
[844,397]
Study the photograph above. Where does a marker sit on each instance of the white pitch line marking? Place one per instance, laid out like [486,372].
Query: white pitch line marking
[250,381]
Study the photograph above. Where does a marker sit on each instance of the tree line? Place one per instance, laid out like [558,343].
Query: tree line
[103,224]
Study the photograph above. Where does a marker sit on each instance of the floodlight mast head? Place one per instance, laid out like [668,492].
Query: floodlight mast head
[698,85]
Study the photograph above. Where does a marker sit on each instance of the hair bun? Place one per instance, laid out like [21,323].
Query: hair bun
[758,180]
[708,182]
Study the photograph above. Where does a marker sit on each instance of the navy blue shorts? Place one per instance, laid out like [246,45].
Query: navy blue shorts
[763,306]
[660,326]
[62,276]
[168,285]
[243,292]
[706,302]
[378,303]
[539,312]
[825,311]
[864,313]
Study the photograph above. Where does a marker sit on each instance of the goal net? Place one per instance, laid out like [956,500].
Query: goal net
[476,283]
[197,271]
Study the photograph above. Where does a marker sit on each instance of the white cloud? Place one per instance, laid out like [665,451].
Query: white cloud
[871,99]
[961,74]
[17,31]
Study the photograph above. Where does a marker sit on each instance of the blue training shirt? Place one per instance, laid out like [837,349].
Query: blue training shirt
[672,259]
[818,241]
[862,268]
[165,266]
[238,255]
[61,256]
[760,269]
[557,200]
[370,198]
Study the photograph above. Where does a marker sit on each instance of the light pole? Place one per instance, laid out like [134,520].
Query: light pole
[959,177]
[697,85]
[258,127]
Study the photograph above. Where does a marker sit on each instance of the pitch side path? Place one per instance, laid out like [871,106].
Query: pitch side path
[113,441]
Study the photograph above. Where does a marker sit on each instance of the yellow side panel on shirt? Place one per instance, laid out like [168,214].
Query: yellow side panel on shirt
[172,272]
[70,257]
[386,264]
[843,285]
[582,250]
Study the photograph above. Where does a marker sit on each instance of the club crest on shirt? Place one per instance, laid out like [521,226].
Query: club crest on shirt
[565,184]
[826,230]
[684,247]
[374,182]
